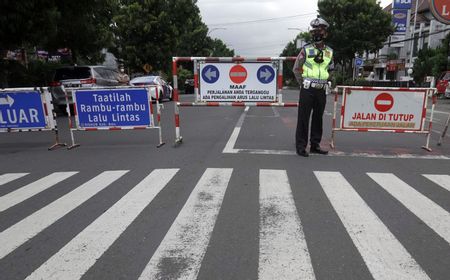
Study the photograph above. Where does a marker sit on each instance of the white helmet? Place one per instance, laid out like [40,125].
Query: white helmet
[319,23]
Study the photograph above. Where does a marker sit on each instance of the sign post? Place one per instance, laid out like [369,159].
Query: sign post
[27,109]
[119,108]
[398,110]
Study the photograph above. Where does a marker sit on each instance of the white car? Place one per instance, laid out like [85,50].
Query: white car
[165,91]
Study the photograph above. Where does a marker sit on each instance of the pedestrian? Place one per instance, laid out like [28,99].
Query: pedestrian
[311,69]
[123,77]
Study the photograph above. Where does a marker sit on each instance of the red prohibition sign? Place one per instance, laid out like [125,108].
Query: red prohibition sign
[384,102]
[238,74]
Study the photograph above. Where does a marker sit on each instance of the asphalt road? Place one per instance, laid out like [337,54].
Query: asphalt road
[220,206]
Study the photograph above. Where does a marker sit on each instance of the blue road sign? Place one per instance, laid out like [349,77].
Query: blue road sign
[359,62]
[210,74]
[113,108]
[265,74]
[21,109]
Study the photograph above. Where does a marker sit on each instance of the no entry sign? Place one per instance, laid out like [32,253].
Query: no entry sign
[377,109]
[238,74]
[384,102]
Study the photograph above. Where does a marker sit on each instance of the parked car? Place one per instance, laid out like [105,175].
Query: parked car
[443,84]
[189,86]
[165,91]
[80,77]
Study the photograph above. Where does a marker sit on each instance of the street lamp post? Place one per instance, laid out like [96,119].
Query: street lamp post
[410,71]
[299,41]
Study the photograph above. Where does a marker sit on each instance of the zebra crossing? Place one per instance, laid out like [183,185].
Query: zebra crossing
[283,253]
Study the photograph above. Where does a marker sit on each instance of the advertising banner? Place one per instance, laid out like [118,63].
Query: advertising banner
[384,109]
[244,82]
[399,19]
[402,4]
[112,108]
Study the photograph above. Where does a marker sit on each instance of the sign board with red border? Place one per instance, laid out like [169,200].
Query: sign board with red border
[379,109]
[441,10]
[238,82]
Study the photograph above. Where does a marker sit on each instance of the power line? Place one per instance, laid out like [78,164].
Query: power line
[414,37]
[261,20]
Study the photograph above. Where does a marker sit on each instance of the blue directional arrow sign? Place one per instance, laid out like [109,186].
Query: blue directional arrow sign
[21,110]
[265,74]
[359,62]
[210,74]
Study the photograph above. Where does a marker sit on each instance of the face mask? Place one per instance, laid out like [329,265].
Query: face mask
[317,38]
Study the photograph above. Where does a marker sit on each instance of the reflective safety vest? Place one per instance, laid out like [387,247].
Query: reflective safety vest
[312,69]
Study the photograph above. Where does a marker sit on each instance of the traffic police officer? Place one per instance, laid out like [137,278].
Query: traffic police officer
[311,69]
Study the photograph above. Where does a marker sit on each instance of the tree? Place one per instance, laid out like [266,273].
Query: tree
[356,26]
[85,27]
[154,31]
[432,62]
[26,23]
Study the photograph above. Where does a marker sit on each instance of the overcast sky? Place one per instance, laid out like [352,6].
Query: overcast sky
[258,27]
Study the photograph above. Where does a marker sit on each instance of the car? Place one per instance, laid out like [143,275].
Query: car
[443,84]
[189,86]
[79,77]
[165,91]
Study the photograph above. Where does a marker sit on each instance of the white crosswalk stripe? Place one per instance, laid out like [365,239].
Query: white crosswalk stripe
[383,254]
[441,180]
[182,249]
[282,249]
[424,208]
[72,261]
[19,233]
[283,253]
[8,177]
[32,189]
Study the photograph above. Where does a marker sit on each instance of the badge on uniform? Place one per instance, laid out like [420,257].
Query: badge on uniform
[311,53]
[327,53]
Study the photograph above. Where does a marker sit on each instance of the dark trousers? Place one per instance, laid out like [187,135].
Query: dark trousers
[310,100]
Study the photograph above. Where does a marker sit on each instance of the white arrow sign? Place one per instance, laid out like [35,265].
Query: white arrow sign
[210,74]
[8,100]
[266,74]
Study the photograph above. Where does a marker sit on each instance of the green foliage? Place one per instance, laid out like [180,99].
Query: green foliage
[154,31]
[356,26]
[432,62]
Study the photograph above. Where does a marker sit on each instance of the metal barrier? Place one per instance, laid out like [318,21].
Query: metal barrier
[249,81]
[28,109]
[374,109]
[113,108]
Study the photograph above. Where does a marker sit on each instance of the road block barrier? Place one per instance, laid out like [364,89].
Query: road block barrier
[28,109]
[232,81]
[376,109]
[112,108]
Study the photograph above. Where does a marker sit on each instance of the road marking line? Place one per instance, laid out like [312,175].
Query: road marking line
[74,259]
[441,180]
[383,254]
[8,177]
[25,192]
[16,235]
[229,148]
[283,252]
[181,252]
[424,208]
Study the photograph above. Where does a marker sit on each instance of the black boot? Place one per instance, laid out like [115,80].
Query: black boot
[317,150]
